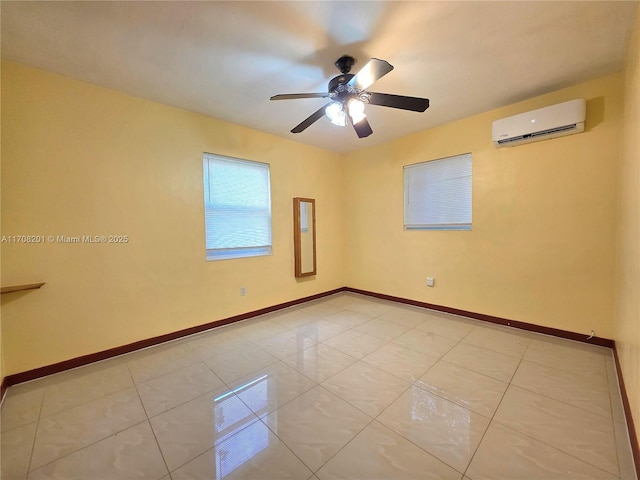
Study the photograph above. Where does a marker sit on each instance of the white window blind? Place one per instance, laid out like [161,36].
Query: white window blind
[437,194]
[237,208]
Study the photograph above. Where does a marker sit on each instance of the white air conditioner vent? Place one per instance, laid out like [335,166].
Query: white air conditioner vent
[549,122]
[544,133]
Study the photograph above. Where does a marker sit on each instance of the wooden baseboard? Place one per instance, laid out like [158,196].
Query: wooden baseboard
[603,342]
[3,388]
[40,372]
[633,437]
[131,347]
[36,373]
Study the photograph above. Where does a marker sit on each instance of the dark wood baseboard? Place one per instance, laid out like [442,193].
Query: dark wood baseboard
[131,347]
[603,342]
[40,372]
[36,373]
[3,388]
[633,437]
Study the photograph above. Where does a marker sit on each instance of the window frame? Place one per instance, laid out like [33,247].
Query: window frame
[226,253]
[465,193]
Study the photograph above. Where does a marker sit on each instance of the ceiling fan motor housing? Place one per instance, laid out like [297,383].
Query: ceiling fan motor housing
[335,82]
[344,63]
[346,87]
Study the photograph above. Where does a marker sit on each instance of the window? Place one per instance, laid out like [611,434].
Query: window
[437,194]
[237,208]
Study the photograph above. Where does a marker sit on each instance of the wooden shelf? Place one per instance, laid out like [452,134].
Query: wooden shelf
[20,288]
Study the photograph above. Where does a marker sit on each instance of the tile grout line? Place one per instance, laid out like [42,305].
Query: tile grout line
[375,419]
[410,440]
[260,419]
[35,435]
[414,384]
[357,360]
[148,420]
[86,446]
[345,445]
[257,419]
[40,418]
[313,472]
[561,401]
[613,420]
[491,420]
[530,436]
[556,449]
[64,410]
[317,383]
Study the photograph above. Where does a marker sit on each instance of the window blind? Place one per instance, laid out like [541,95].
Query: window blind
[437,194]
[237,201]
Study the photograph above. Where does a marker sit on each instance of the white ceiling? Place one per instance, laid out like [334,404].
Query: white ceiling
[225,59]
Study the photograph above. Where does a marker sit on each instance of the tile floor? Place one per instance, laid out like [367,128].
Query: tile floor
[347,387]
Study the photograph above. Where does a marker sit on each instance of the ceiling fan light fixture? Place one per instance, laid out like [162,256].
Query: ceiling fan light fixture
[335,112]
[348,96]
[356,110]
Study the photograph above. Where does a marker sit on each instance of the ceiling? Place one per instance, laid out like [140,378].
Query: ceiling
[226,58]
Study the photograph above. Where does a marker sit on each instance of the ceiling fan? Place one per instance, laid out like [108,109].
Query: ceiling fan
[348,96]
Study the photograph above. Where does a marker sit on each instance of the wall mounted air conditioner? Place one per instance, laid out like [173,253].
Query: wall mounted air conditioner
[549,122]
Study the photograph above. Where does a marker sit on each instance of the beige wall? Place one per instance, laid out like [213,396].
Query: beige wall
[79,159]
[542,245]
[627,320]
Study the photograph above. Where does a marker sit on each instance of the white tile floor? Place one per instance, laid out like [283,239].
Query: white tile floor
[347,387]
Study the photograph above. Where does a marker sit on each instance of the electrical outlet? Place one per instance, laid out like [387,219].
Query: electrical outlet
[243,291]
[430,281]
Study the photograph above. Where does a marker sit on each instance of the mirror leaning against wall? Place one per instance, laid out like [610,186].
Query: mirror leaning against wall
[304,236]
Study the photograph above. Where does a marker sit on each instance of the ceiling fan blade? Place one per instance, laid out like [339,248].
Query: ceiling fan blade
[292,96]
[362,128]
[414,104]
[372,71]
[311,119]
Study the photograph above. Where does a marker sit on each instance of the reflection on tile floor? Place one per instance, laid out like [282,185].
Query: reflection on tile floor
[346,387]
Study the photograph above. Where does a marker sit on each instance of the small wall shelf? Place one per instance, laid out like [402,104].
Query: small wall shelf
[20,288]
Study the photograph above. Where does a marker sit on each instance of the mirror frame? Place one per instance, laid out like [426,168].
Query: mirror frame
[297,237]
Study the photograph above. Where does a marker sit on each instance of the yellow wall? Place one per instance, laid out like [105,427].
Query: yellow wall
[79,159]
[542,245]
[627,321]
[83,160]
